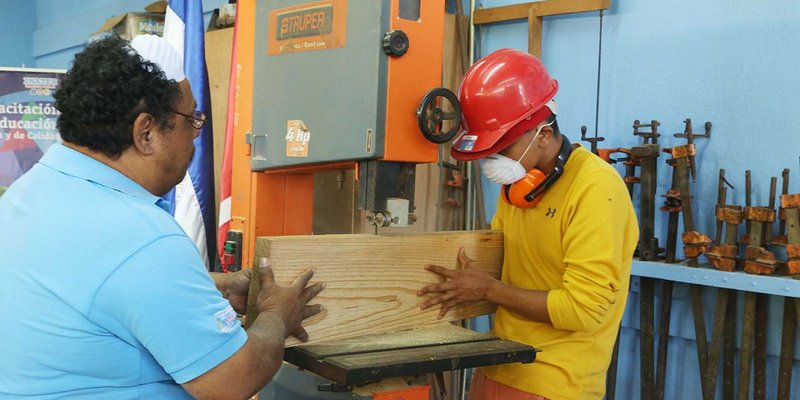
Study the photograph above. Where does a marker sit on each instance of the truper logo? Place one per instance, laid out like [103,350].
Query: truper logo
[313,21]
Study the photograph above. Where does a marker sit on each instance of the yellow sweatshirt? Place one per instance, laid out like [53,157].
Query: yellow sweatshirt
[576,244]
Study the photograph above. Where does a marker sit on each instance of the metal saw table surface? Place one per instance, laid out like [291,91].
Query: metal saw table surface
[412,352]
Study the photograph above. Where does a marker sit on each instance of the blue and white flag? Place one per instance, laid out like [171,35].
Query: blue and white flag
[193,199]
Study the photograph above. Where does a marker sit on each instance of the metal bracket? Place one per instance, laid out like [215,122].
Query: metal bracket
[258,145]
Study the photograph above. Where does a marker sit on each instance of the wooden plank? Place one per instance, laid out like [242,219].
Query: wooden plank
[541,9]
[534,35]
[500,14]
[552,7]
[372,280]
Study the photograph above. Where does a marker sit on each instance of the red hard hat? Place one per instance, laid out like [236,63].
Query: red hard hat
[498,92]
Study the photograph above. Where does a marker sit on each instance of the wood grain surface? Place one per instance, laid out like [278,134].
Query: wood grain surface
[372,280]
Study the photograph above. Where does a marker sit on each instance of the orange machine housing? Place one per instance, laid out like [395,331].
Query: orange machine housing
[280,201]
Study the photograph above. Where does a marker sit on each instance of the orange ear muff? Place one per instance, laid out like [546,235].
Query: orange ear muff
[526,192]
[515,193]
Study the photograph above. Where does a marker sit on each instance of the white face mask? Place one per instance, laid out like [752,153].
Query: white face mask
[505,171]
[502,170]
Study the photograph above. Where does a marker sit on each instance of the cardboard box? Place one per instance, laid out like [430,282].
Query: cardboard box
[131,24]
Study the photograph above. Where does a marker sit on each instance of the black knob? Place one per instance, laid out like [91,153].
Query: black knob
[395,43]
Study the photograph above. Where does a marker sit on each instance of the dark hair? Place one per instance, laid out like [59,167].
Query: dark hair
[106,88]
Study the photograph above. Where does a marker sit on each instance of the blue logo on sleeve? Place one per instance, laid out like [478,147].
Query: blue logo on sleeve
[225,319]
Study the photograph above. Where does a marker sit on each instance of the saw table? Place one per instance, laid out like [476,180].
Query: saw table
[413,352]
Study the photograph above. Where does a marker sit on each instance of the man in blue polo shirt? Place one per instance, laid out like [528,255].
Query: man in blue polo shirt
[102,295]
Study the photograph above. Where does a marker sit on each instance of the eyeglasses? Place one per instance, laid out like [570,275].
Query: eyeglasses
[196,120]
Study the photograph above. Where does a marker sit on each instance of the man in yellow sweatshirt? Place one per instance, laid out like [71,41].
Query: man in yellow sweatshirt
[569,235]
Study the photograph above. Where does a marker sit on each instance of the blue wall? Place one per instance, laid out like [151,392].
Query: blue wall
[63,26]
[17,22]
[731,63]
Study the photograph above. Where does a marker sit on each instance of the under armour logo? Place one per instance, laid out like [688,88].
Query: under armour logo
[551,212]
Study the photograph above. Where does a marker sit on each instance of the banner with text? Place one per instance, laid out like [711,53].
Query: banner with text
[27,119]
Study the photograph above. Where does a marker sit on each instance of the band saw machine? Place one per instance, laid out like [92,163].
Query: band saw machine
[346,85]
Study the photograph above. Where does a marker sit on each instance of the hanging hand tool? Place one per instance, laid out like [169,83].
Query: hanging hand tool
[672,205]
[780,239]
[630,162]
[694,243]
[767,233]
[746,350]
[690,136]
[722,196]
[758,260]
[592,141]
[761,322]
[790,205]
[604,153]
[724,256]
[748,196]
[647,153]
[721,313]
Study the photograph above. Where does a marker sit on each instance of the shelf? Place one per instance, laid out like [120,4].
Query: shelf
[706,276]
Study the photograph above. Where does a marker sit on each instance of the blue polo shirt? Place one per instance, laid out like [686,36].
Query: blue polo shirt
[102,295]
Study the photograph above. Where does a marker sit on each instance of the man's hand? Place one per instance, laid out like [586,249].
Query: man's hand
[467,283]
[234,287]
[290,302]
[254,364]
